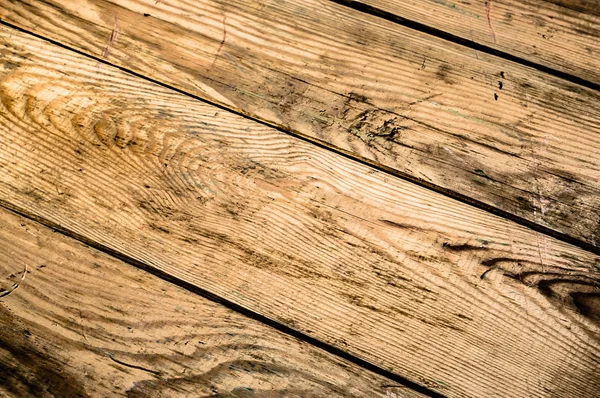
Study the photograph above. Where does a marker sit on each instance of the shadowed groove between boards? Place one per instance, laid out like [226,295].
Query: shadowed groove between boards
[222,301]
[414,25]
[165,276]
[341,152]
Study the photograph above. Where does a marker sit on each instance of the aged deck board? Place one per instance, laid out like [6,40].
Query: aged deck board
[493,131]
[560,34]
[83,324]
[446,295]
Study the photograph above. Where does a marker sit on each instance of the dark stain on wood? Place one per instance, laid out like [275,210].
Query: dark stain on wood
[591,7]
[567,290]
[358,97]
[444,72]
[525,205]
[26,370]
[461,247]
[376,123]
[397,224]
[465,317]
[588,304]
[581,295]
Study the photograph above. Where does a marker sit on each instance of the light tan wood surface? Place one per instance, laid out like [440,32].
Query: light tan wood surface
[470,124]
[83,324]
[463,302]
[560,34]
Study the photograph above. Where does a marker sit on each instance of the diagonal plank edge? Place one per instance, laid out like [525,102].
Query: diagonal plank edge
[556,69]
[472,125]
[417,390]
[79,312]
[557,37]
[399,276]
[340,151]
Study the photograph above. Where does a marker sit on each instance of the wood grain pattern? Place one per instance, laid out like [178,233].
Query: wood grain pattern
[84,324]
[451,297]
[491,130]
[561,34]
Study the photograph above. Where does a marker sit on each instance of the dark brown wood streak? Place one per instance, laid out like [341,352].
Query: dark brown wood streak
[591,7]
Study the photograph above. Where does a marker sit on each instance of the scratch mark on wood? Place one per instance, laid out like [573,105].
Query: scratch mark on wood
[114,35]
[111,356]
[424,99]
[538,191]
[488,15]
[493,267]
[222,41]
[4,293]
[234,61]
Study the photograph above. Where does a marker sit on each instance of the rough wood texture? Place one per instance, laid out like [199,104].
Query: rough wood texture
[446,295]
[561,34]
[83,324]
[480,126]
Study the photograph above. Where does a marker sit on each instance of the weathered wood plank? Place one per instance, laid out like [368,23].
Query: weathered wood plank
[441,293]
[471,124]
[83,324]
[561,34]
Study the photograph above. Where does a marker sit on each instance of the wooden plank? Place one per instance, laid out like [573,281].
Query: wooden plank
[83,324]
[448,296]
[559,34]
[493,131]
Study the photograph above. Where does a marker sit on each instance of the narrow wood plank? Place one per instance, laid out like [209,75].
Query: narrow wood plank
[560,34]
[443,294]
[83,324]
[471,124]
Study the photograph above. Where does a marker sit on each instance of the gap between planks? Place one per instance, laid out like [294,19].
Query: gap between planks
[222,301]
[80,312]
[530,151]
[112,154]
[330,147]
[473,45]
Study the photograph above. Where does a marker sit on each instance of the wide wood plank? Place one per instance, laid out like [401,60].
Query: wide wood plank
[493,131]
[83,324]
[475,125]
[560,34]
[448,296]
